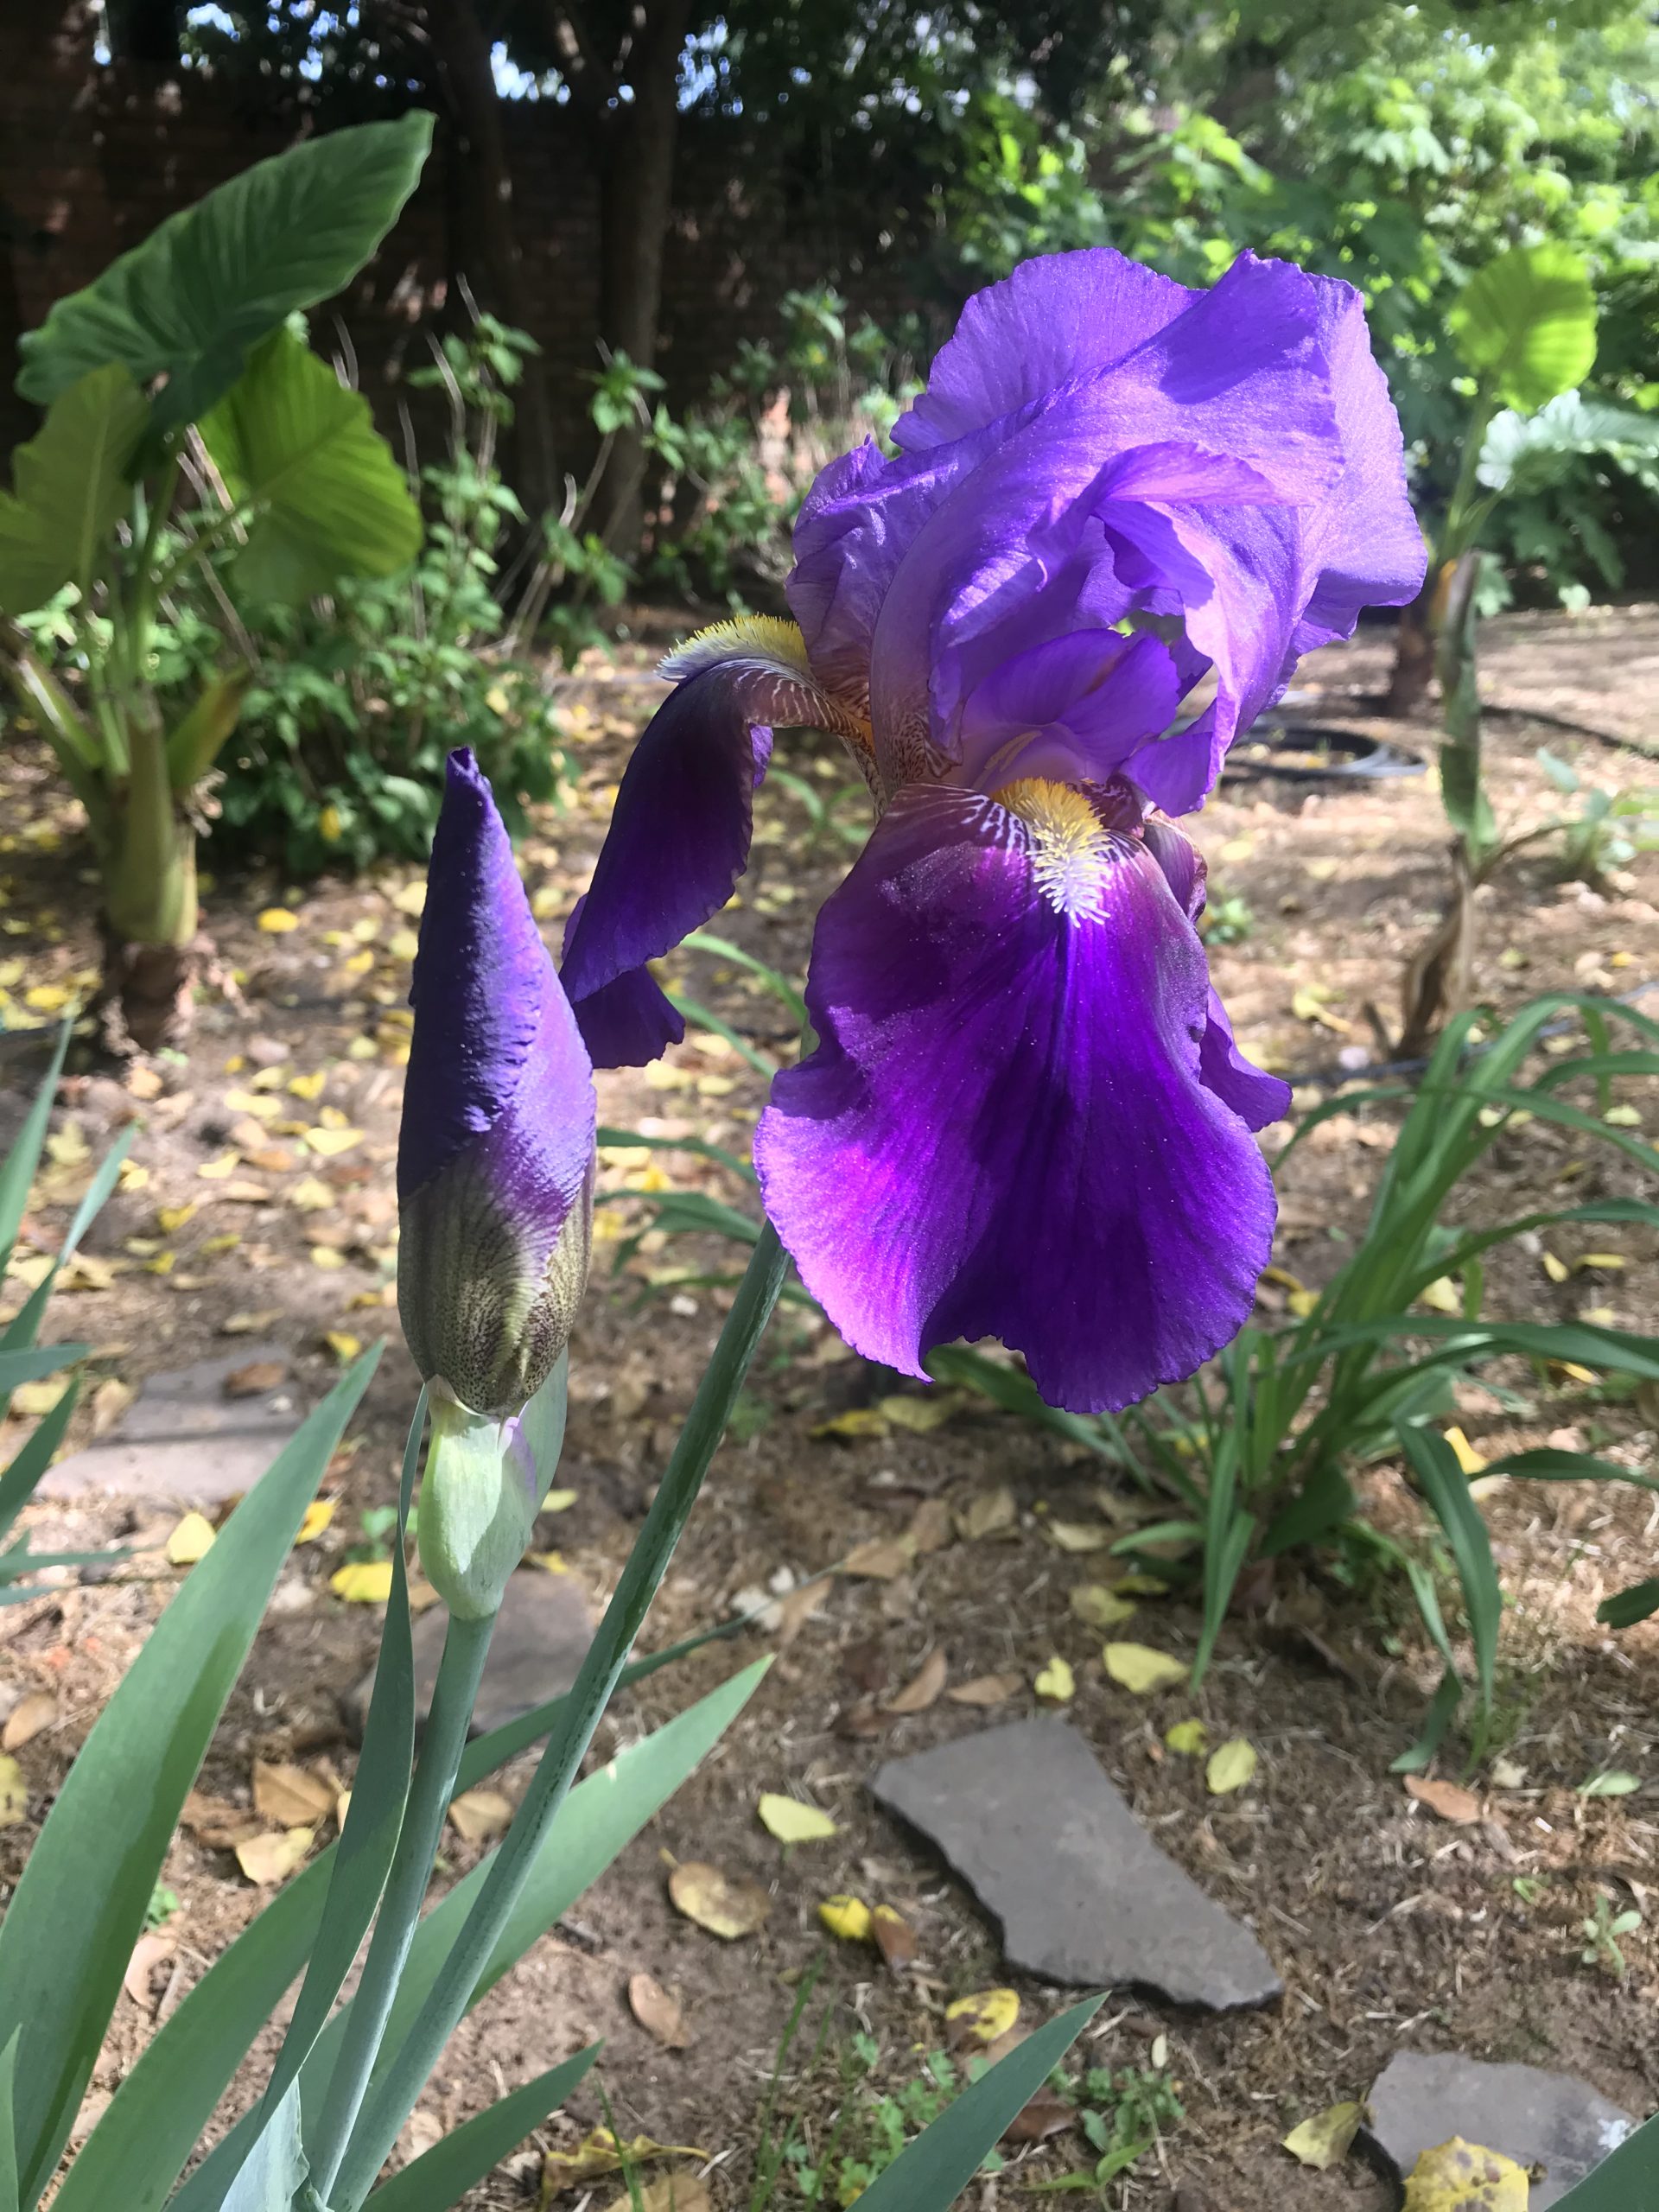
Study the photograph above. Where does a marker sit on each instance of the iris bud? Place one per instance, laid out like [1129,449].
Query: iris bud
[495,1156]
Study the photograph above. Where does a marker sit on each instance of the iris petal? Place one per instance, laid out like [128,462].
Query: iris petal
[488,1004]
[1004,1129]
[1074,708]
[677,842]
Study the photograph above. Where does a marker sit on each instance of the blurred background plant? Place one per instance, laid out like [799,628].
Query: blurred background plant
[186,350]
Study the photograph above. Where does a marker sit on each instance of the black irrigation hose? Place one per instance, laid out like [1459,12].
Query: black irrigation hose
[1333,1078]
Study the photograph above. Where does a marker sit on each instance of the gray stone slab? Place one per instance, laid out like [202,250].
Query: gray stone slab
[183,1438]
[541,1635]
[1422,2099]
[1026,1816]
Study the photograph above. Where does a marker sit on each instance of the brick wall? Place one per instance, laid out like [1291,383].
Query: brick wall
[93,158]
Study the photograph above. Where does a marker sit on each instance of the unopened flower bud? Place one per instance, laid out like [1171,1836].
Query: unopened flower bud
[495,1157]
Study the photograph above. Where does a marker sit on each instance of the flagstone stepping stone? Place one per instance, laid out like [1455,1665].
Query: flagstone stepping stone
[1026,1816]
[1424,2098]
[191,1435]
[541,1635]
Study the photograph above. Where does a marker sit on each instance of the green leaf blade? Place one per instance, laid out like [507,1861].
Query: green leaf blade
[79,1905]
[71,488]
[440,2177]
[299,445]
[931,2173]
[191,300]
[1526,323]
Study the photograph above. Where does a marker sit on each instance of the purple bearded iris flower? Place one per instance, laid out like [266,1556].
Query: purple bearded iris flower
[495,1156]
[1026,1115]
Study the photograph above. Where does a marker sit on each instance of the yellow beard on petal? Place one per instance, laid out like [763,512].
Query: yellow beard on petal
[782,689]
[1071,848]
[748,636]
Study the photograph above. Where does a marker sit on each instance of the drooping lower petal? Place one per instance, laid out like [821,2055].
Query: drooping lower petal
[1004,1130]
[677,842]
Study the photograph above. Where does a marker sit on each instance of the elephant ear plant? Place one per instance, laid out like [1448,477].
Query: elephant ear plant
[184,358]
[1525,329]
[495,1179]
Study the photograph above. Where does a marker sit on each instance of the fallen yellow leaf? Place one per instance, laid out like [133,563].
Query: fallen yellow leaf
[1464,1453]
[13,1792]
[307,1086]
[726,1907]
[478,1815]
[1188,1739]
[1442,1296]
[1056,1682]
[364,1582]
[191,1540]
[860,1421]
[790,1821]
[985,2016]
[1137,1667]
[1231,1765]
[268,1860]
[326,1257]
[277,921]
[1078,1535]
[318,1515]
[170,1219]
[327,1144]
[1325,2140]
[1101,1607]
[310,1195]
[847,1917]
[599,2153]
[919,1416]
[219,1170]
[34,1399]
[1459,2177]
[345,1346]
[1557,1270]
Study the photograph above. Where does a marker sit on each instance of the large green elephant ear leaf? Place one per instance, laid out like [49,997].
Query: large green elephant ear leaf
[295,444]
[1526,324]
[213,279]
[71,482]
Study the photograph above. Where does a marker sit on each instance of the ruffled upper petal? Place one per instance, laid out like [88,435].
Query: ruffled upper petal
[1005,1129]
[1060,316]
[1097,435]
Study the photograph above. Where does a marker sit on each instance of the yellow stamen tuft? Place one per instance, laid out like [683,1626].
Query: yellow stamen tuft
[765,638]
[1070,850]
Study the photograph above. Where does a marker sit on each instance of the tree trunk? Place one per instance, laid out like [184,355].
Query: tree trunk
[636,197]
[462,45]
[144,31]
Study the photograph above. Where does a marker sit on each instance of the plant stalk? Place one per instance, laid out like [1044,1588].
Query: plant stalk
[455,1692]
[390,2102]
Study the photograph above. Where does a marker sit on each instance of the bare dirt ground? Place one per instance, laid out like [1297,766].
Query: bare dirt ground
[1390,1928]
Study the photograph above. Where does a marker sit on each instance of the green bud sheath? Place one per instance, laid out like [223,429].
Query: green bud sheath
[484,1485]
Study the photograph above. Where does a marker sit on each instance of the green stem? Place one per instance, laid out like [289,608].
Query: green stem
[150,893]
[393,2098]
[459,1671]
[146,591]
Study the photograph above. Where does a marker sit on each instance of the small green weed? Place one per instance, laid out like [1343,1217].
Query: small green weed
[1601,1932]
[164,1904]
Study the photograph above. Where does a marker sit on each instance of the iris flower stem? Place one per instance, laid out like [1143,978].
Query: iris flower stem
[466,1645]
[393,2098]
